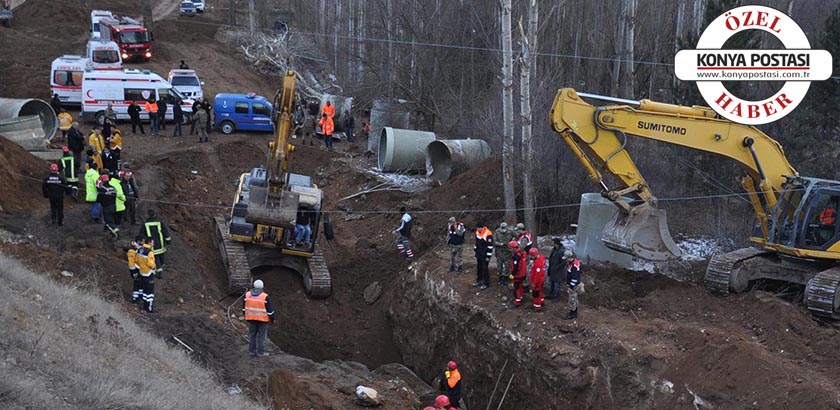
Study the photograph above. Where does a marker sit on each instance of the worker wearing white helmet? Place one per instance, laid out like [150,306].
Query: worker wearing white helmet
[258,313]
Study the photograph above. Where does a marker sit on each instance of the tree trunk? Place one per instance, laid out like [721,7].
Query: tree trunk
[697,14]
[629,89]
[252,27]
[336,28]
[362,28]
[507,112]
[148,17]
[525,68]
[351,16]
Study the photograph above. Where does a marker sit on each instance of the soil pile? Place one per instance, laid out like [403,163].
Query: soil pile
[20,178]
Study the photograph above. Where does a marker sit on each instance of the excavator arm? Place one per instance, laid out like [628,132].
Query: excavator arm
[598,138]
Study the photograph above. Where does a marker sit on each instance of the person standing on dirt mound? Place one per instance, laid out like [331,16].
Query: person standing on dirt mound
[53,189]
[483,252]
[134,115]
[157,230]
[573,279]
[403,233]
[327,128]
[91,176]
[455,233]
[556,269]
[518,269]
[146,266]
[107,197]
[200,119]
[451,383]
[132,194]
[503,235]
[537,277]
[76,143]
[258,313]
[152,110]
[177,118]
[133,267]
[55,103]
[70,172]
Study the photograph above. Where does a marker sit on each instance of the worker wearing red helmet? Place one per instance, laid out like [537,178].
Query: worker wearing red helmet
[53,188]
[538,270]
[442,403]
[451,382]
[518,270]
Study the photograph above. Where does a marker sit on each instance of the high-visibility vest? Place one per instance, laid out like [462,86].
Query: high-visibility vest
[90,185]
[255,307]
[96,141]
[155,231]
[64,121]
[151,107]
[68,168]
[120,199]
[827,216]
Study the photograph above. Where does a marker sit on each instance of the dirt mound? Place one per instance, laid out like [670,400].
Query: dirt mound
[20,178]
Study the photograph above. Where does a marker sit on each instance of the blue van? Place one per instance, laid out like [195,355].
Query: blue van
[241,112]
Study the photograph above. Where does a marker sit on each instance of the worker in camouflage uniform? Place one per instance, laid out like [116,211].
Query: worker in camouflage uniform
[503,235]
[455,231]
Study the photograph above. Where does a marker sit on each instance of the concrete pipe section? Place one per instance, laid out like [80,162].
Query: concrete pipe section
[11,109]
[447,158]
[403,150]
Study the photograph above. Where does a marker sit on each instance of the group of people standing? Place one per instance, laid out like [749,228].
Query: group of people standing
[199,123]
[320,121]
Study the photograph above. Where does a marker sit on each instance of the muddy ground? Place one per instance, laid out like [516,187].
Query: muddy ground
[639,332]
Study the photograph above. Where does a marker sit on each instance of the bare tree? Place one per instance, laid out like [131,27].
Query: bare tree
[252,18]
[148,16]
[507,112]
[526,63]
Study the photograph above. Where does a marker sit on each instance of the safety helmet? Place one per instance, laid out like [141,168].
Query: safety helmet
[104,178]
[533,252]
[452,365]
[503,225]
[65,149]
[520,226]
[513,244]
[452,219]
[442,400]
[54,167]
[568,255]
[258,284]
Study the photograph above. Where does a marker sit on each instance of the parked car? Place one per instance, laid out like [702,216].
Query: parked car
[200,5]
[188,8]
[187,83]
[242,112]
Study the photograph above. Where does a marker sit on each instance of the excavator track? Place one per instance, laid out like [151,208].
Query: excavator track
[723,269]
[317,281]
[234,257]
[821,296]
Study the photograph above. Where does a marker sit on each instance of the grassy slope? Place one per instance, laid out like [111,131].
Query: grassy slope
[63,348]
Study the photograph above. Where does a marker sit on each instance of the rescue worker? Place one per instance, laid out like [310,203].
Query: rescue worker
[70,172]
[258,313]
[827,216]
[55,103]
[503,235]
[119,203]
[366,129]
[327,128]
[53,189]
[403,233]
[200,119]
[328,110]
[76,143]
[162,107]
[109,160]
[442,403]
[134,115]
[556,269]
[132,194]
[451,382]
[483,252]
[538,271]
[152,109]
[110,114]
[134,268]
[93,161]
[91,176]
[177,118]
[65,121]
[107,197]
[455,235]
[155,229]
[146,266]
[115,143]
[573,279]
[525,242]
[349,126]
[96,141]
[518,269]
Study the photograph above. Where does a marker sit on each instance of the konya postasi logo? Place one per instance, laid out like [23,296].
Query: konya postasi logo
[797,65]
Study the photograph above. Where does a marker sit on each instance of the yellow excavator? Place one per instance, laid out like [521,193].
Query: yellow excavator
[259,230]
[798,240]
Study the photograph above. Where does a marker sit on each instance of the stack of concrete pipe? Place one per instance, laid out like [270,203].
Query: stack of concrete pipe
[29,123]
[410,151]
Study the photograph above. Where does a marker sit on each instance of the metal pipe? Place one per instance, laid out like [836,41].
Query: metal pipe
[446,158]
[608,98]
[13,108]
[403,150]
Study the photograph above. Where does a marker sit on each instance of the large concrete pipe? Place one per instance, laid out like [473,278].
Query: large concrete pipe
[11,108]
[24,131]
[386,113]
[447,158]
[403,150]
[595,213]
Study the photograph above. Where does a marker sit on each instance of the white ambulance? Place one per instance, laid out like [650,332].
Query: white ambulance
[104,55]
[95,16]
[120,88]
[66,78]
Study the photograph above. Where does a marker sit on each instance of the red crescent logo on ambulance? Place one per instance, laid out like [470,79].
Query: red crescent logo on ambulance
[88,94]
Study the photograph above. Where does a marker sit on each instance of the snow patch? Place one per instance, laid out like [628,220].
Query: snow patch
[406,182]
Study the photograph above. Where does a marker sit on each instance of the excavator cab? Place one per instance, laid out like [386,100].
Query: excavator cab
[806,216]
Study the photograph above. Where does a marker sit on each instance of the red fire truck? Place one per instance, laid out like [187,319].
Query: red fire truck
[132,38]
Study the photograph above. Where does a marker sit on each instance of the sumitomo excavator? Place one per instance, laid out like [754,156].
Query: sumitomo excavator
[259,230]
[797,239]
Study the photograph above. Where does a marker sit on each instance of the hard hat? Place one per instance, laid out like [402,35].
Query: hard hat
[442,400]
[104,178]
[65,149]
[54,167]
[513,244]
[452,365]
[451,219]
[533,252]
[503,225]
[520,226]
[258,284]
[568,255]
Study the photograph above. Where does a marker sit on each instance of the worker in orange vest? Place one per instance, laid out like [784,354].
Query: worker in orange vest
[327,128]
[258,313]
[329,110]
[152,109]
[483,252]
[451,382]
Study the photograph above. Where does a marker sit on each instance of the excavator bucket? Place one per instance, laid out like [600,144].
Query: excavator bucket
[642,233]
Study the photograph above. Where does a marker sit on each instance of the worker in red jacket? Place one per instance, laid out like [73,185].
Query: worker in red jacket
[518,269]
[538,270]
